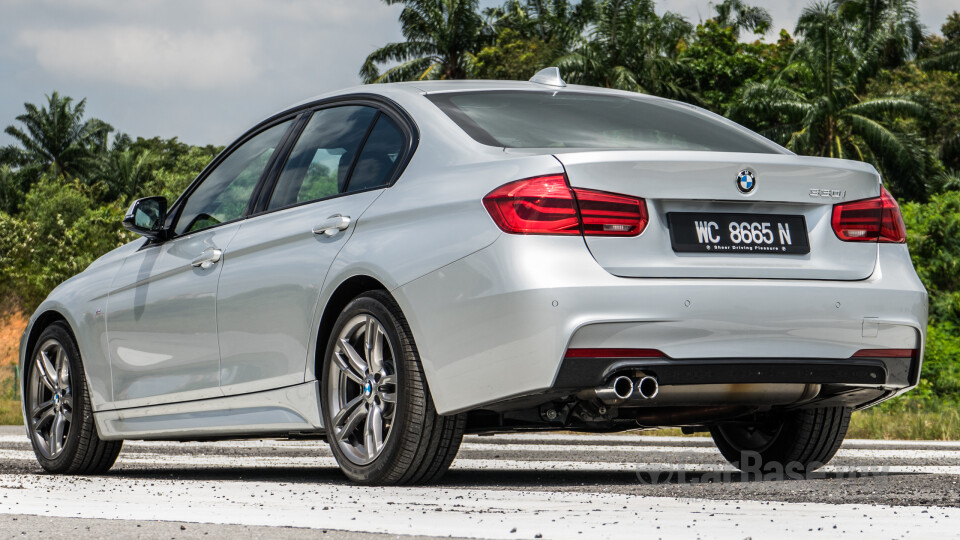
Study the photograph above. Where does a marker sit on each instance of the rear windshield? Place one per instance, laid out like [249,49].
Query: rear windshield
[523,119]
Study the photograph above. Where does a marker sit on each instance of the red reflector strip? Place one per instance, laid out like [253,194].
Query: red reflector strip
[614,353]
[884,353]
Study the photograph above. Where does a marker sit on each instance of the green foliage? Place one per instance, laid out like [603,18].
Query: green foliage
[933,235]
[59,233]
[941,370]
[720,64]
[631,47]
[442,38]
[170,180]
[737,15]
[56,137]
[513,57]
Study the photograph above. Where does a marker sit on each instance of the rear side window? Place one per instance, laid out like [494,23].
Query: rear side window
[319,165]
[528,119]
[379,157]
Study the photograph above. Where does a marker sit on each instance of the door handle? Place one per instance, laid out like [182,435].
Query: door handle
[332,225]
[208,258]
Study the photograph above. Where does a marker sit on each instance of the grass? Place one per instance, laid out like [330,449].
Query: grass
[940,423]
[910,423]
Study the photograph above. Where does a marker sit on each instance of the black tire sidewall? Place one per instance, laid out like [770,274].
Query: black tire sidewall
[384,467]
[81,409]
[786,451]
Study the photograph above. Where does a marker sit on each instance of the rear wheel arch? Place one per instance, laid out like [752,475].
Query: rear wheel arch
[345,292]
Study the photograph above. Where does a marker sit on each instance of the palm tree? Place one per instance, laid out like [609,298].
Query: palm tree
[631,48]
[56,136]
[737,15]
[946,56]
[125,171]
[893,25]
[556,22]
[813,107]
[442,37]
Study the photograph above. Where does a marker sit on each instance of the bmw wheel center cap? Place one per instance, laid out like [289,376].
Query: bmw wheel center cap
[746,181]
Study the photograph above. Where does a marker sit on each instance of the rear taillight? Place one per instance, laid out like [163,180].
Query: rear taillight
[547,205]
[870,220]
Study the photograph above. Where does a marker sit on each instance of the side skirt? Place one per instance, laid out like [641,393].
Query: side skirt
[289,411]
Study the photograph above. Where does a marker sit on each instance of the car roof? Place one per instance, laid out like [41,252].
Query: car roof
[435,87]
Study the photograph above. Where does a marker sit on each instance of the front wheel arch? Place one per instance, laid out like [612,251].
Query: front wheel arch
[44,320]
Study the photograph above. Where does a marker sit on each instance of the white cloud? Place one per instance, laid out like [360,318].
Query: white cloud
[142,56]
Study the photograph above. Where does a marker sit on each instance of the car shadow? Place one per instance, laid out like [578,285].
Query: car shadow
[494,478]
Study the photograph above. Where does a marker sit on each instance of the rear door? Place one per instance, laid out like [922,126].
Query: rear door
[270,285]
[729,215]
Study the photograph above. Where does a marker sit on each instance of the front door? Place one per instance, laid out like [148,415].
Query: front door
[162,307]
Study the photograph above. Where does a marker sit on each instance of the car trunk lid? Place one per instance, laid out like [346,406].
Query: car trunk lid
[695,189]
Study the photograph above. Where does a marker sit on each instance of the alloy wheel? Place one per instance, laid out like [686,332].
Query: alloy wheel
[362,389]
[50,403]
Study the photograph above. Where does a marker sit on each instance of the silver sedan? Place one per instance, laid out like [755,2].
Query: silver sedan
[392,266]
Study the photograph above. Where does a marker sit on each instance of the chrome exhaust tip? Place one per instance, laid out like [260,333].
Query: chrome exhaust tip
[648,387]
[622,387]
[618,390]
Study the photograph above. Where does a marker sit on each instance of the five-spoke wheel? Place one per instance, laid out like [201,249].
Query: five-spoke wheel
[57,403]
[380,421]
[363,387]
[50,403]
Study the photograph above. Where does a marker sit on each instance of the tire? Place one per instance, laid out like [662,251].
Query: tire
[416,445]
[63,400]
[799,441]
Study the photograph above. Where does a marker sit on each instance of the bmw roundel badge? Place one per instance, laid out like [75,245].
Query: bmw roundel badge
[746,181]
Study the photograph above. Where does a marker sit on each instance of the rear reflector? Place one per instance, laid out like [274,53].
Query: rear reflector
[547,205]
[614,353]
[870,220]
[884,353]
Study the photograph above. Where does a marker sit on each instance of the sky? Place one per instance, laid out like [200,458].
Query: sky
[206,70]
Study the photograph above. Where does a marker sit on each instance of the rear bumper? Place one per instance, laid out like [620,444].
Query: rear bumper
[876,373]
[495,325]
[854,382]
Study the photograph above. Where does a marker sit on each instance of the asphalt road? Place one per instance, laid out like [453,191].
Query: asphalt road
[505,486]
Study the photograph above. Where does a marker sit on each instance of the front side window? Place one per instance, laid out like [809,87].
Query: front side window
[225,192]
[319,165]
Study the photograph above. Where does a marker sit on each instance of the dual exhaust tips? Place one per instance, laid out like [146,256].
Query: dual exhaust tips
[622,388]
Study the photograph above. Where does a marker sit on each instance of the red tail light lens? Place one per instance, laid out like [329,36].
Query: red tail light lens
[543,205]
[606,214]
[870,220]
[546,205]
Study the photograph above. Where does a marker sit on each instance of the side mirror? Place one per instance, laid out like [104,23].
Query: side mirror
[146,216]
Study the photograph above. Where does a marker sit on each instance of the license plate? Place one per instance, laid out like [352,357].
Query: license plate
[695,232]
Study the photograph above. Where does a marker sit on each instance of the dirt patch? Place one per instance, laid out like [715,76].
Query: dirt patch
[12,323]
